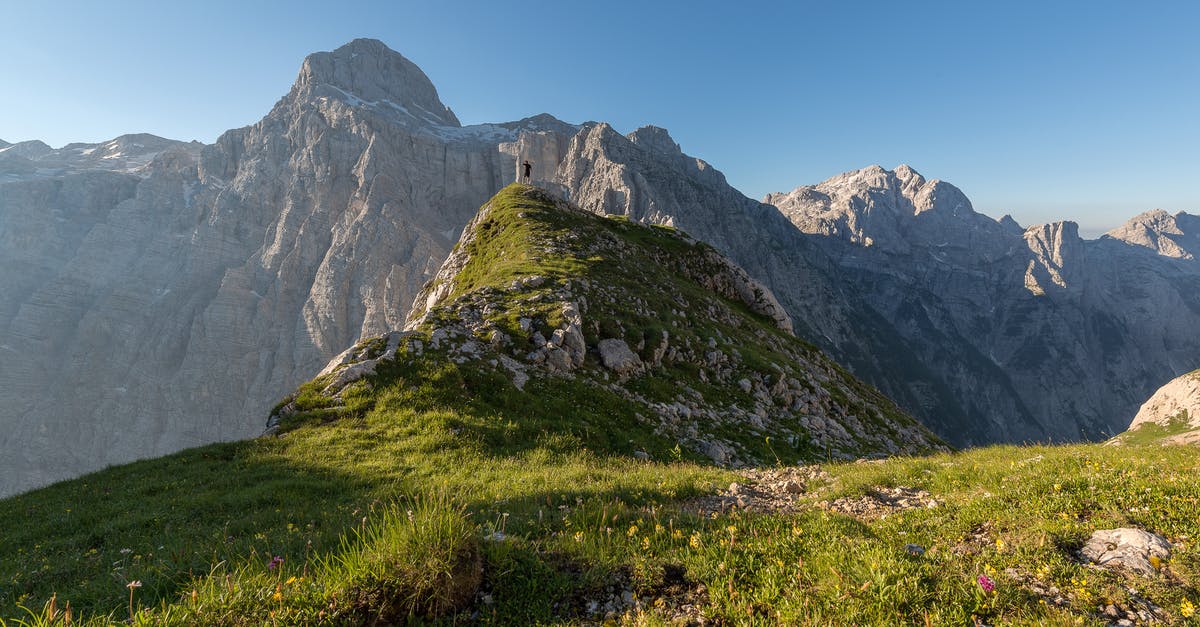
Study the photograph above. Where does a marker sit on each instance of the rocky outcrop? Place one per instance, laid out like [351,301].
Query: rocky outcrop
[1176,402]
[1127,548]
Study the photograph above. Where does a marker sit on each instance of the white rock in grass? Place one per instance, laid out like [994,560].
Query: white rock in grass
[1126,547]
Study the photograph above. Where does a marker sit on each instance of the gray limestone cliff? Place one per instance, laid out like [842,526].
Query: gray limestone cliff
[156,295]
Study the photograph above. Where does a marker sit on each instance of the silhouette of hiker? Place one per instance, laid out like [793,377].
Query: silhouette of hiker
[527,167]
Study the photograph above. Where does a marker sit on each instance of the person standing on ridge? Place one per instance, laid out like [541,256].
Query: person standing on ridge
[527,168]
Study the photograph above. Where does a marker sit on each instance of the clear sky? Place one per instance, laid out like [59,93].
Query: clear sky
[1088,110]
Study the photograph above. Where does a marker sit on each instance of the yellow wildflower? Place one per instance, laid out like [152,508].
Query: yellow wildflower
[694,541]
[1186,609]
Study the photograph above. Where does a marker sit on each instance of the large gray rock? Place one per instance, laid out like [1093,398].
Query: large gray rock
[617,356]
[1127,548]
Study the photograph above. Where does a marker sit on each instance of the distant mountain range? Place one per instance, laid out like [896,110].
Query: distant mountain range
[156,295]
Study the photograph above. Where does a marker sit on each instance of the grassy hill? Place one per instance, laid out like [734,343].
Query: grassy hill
[463,470]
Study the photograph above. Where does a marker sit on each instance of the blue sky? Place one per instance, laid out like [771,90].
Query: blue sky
[1046,110]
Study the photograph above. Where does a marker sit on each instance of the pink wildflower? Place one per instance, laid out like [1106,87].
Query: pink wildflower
[986,583]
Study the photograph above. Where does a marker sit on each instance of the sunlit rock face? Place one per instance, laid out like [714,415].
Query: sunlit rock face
[156,295]
[1176,402]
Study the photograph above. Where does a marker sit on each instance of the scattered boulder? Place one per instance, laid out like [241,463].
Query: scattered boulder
[1129,548]
[618,357]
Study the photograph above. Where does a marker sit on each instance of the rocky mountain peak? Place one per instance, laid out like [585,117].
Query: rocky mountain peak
[1011,224]
[904,172]
[873,206]
[656,139]
[542,122]
[32,149]
[367,70]
[1055,234]
[910,180]
[1169,235]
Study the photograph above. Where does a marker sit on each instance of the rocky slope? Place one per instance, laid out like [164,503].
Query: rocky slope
[540,293]
[158,295]
[1177,401]
[1067,335]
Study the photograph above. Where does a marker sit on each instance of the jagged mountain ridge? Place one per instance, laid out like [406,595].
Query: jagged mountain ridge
[127,153]
[1077,330]
[216,278]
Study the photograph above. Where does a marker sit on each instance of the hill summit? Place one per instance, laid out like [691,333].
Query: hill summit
[634,339]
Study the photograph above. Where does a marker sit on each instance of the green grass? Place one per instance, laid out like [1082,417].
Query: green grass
[551,524]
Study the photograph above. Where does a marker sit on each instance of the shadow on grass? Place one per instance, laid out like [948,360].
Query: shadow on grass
[167,521]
